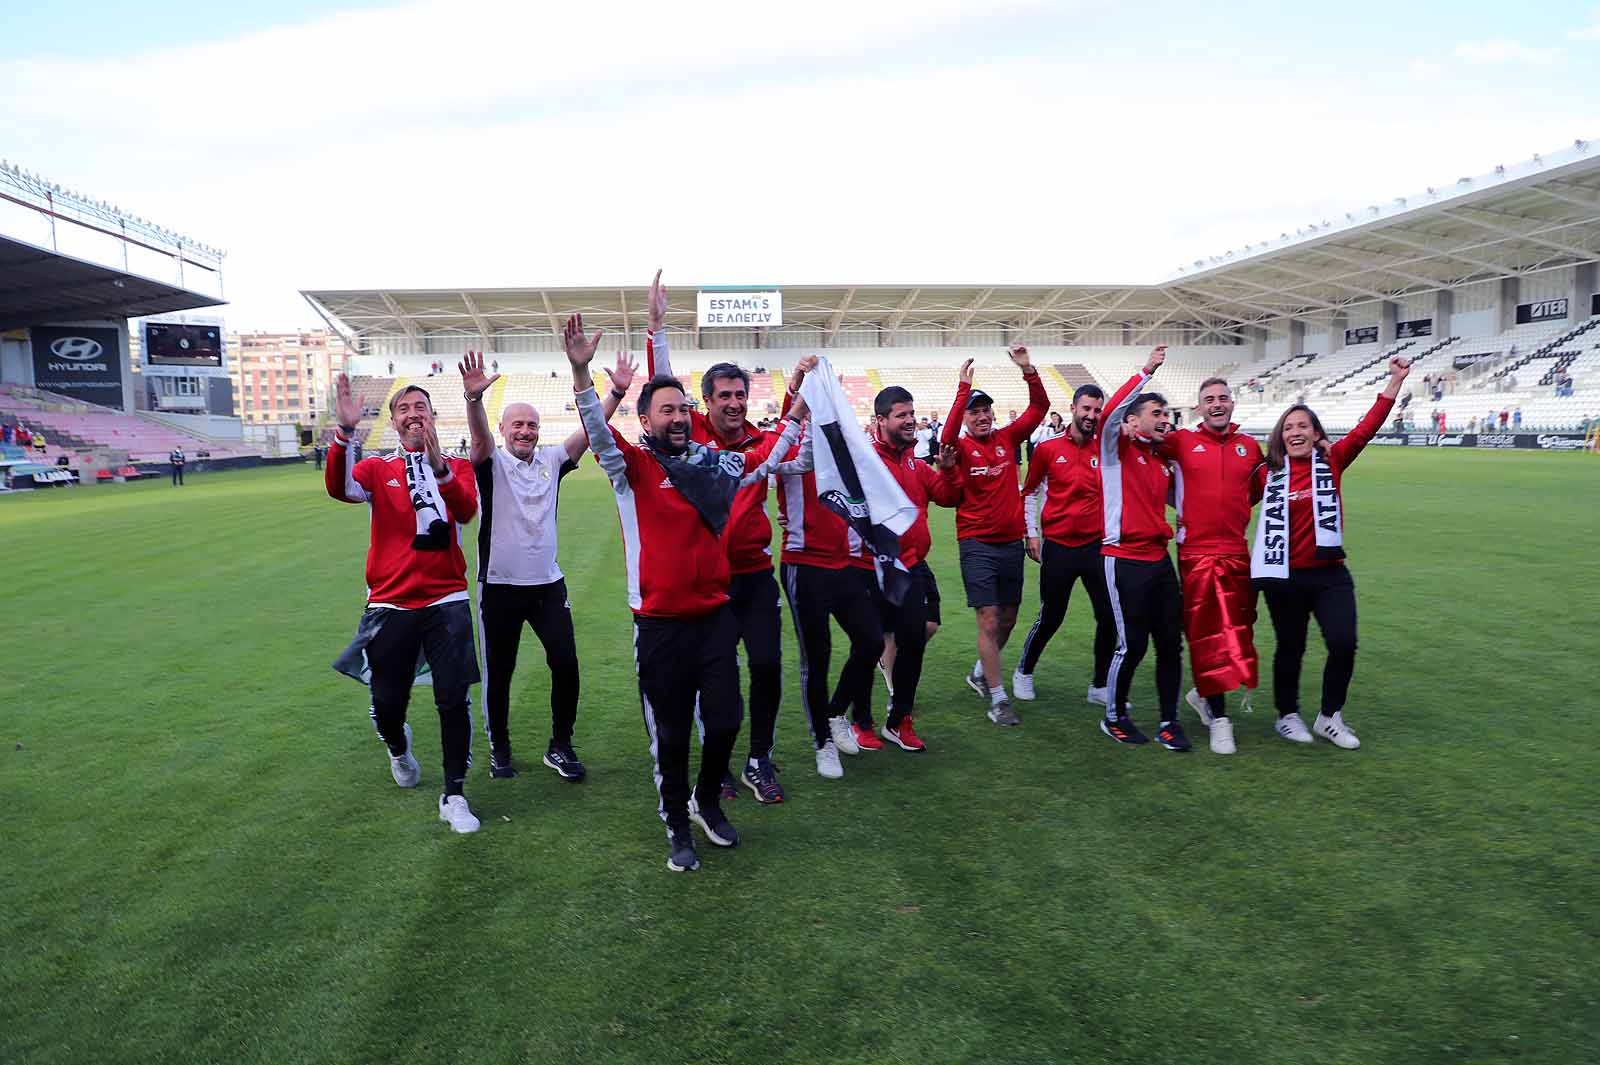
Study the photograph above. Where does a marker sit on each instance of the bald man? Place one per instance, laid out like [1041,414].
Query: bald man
[519,581]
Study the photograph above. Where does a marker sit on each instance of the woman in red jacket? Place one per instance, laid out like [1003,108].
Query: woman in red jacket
[1298,560]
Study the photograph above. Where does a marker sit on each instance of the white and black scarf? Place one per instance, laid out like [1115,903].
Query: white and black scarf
[1269,561]
[707,477]
[433,532]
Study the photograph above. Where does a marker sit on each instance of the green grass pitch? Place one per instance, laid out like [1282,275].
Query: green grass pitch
[203,859]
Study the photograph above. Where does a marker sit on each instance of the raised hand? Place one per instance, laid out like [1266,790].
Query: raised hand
[1399,368]
[580,348]
[657,303]
[473,380]
[966,372]
[432,450]
[1157,357]
[806,364]
[347,408]
[622,373]
[1019,355]
[949,455]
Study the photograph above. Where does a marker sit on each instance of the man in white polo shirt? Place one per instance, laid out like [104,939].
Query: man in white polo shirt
[519,581]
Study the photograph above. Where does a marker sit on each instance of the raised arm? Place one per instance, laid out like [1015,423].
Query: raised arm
[1111,421]
[474,383]
[951,432]
[657,359]
[621,380]
[1038,399]
[769,454]
[1345,451]
[341,477]
[580,353]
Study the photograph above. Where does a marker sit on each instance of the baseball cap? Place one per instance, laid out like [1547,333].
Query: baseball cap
[979,399]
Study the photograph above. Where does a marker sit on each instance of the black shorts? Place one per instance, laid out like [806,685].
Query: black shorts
[992,573]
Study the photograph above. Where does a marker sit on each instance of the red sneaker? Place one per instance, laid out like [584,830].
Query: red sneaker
[905,736]
[865,738]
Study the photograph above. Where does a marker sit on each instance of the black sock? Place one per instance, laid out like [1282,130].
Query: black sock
[1218,705]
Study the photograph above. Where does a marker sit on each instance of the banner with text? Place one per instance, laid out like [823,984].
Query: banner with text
[739,310]
[80,362]
[1542,311]
[1364,334]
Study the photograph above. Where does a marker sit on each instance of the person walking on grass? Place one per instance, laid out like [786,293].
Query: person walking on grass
[1064,534]
[1299,560]
[1134,483]
[989,522]
[674,499]
[417,610]
[519,580]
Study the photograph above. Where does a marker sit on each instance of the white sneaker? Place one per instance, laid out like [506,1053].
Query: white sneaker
[1099,697]
[1335,731]
[1022,686]
[1291,728]
[404,769]
[843,738]
[1222,736]
[828,761]
[454,809]
[1197,702]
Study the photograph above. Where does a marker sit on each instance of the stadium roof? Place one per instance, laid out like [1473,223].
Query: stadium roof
[1543,214]
[38,285]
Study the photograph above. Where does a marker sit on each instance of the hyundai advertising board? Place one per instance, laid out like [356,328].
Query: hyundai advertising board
[78,361]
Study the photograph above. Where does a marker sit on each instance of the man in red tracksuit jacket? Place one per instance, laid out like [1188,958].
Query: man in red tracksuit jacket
[1145,600]
[989,521]
[674,500]
[1213,465]
[753,591]
[1065,540]
[416,585]
[917,617]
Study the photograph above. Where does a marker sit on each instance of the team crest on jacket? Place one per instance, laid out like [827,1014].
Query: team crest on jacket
[1239,450]
[1094,462]
[1000,451]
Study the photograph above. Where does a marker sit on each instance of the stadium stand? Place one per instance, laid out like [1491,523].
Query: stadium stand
[1512,369]
[70,426]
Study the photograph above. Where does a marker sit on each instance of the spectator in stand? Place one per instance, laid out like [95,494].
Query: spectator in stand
[1516,420]
[177,459]
[494,366]
[1472,424]
[1049,430]
[925,439]
[1505,418]
[7,433]
[391,368]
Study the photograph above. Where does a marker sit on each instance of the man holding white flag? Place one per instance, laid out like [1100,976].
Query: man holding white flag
[842,515]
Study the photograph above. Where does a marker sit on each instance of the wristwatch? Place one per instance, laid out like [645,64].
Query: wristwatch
[470,398]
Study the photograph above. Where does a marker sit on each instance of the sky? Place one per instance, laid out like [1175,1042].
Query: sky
[477,143]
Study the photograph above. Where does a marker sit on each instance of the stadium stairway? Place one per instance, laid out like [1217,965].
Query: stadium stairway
[1071,375]
[381,424]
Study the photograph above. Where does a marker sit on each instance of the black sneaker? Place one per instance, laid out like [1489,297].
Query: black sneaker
[730,790]
[560,758]
[714,823]
[1123,730]
[500,767]
[762,778]
[681,857]
[1172,738]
